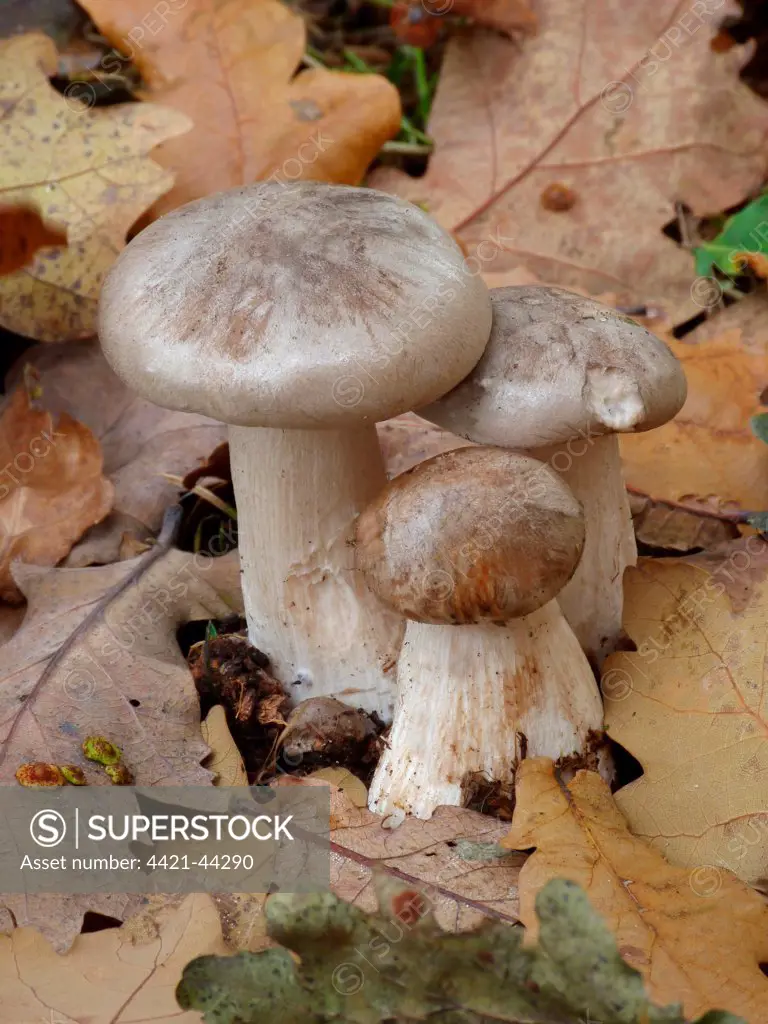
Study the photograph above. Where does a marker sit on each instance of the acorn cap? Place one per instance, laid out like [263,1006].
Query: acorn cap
[473,535]
[301,306]
[559,366]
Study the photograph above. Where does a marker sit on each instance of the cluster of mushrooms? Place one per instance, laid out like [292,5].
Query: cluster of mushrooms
[467,600]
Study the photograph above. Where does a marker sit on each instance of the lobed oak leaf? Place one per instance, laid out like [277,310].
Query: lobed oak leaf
[702,947]
[690,705]
[624,105]
[84,170]
[52,486]
[231,65]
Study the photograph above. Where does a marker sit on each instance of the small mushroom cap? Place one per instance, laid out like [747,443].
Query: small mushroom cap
[473,535]
[557,367]
[301,306]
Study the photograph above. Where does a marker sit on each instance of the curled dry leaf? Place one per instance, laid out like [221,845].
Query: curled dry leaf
[696,939]
[690,705]
[85,170]
[660,525]
[109,977]
[707,457]
[231,66]
[225,760]
[140,442]
[97,655]
[586,104]
[51,487]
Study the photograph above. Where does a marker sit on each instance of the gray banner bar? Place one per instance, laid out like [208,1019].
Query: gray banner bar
[166,839]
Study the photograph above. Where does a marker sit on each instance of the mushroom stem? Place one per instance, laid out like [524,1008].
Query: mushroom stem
[298,493]
[473,700]
[593,600]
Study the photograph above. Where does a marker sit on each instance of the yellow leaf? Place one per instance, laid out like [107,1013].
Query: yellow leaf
[230,65]
[691,705]
[698,939]
[225,760]
[51,486]
[85,170]
[707,456]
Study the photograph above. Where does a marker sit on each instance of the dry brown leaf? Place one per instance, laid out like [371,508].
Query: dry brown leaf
[626,105]
[408,440]
[22,233]
[698,940]
[423,853]
[51,487]
[85,170]
[225,760]
[691,705]
[707,456]
[140,442]
[108,977]
[97,654]
[508,16]
[230,65]
[660,525]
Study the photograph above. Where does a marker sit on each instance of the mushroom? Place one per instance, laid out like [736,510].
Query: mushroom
[472,547]
[561,376]
[299,315]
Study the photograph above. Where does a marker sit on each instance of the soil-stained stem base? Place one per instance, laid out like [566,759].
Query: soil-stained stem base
[473,700]
[298,493]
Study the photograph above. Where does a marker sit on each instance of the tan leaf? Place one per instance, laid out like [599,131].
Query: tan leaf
[408,440]
[353,788]
[86,170]
[707,456]
[107,977]
[51,486]
[691,705]
[230,65]
[225,761]
[22,233]
[587,104]
[696,939]
[423,853]
[140,441]
[660,525]
[97,654]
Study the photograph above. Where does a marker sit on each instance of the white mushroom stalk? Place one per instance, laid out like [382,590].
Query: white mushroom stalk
[473,701]
[300,316]
[471,547]
[560,377]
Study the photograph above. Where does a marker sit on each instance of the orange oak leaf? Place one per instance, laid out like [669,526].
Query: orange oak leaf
[51,486]
[230,65]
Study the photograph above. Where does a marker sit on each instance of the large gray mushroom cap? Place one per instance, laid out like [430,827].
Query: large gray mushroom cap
[301,306]
[559,366]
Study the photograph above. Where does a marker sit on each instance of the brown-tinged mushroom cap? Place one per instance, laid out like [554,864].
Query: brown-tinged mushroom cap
[559,366]
[301,306]
[473,535]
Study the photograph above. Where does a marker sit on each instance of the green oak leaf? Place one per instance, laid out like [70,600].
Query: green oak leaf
[398,965]
[745,232]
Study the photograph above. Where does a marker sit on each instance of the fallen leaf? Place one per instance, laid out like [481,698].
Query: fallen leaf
[397,964]
[708,457]
[690,705]
[85,170]
[353,788]
[140,442]
[508,16]
[22,233]
[230,65]
[586,103]
[51,487]
[97,654]
[408,440]
[225,760]
[740,241]
[672,528]
[700,946]
[107,977]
